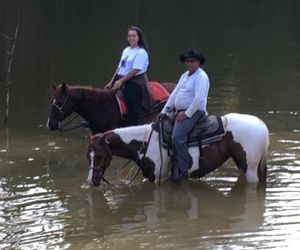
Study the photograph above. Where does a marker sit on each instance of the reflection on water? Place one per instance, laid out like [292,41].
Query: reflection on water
[45,204]
[253,67]
[30,215]
[32,211]
[166,216]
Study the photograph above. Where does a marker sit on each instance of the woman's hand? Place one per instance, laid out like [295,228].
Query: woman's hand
[108,86]
[117,85]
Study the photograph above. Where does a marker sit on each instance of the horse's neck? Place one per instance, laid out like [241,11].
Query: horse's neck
[136,133]
[86,108]
[140,144]
[89,107]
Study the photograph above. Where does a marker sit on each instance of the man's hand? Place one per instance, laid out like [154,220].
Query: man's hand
[159,117]
[181,116]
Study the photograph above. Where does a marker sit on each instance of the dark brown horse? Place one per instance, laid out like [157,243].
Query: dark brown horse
[98,107]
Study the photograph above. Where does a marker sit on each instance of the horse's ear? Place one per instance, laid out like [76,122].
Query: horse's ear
[101,139]
[90,134]
[53,86]
[64,87]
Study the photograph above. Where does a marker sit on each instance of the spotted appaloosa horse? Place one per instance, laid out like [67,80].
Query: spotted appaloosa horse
[99,107]
[246,141]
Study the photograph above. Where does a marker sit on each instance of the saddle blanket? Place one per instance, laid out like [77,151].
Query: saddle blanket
[158,94]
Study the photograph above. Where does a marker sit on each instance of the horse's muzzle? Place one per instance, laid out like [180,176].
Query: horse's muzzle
[53,126]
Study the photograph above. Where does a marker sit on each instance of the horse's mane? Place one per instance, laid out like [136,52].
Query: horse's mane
[90,93]
[140,132]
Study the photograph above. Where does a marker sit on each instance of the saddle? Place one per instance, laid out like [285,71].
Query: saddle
[159,96]
[207,130]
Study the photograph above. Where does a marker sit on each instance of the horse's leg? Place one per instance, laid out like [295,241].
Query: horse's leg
[257,159]
[251,172]
[252,164]
[247,161]
[262,168]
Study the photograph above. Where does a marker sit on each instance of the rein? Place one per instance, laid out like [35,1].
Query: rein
[138,160]
[160,153]
[62,127]
[144,154]
[60,110]
[61,107]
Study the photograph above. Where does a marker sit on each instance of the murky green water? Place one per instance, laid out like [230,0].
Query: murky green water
[46,204]
[253,50]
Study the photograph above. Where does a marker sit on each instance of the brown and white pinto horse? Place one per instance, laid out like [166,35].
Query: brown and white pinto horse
[99,107]
[246,141]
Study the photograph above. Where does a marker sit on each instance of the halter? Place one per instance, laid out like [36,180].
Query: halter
[60,108]
[92,168]
[62,126]
[144,147]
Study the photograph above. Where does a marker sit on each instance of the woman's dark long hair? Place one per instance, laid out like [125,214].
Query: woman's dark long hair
[142,41]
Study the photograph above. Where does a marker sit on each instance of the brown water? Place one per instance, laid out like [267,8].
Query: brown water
[46,204]
[253,50]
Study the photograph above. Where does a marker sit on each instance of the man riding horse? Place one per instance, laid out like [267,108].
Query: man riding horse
[188,101]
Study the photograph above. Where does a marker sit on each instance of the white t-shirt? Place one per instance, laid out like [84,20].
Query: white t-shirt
[190,93]
[133,58]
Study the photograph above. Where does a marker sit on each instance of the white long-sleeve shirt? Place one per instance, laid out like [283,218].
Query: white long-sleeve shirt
[190,93]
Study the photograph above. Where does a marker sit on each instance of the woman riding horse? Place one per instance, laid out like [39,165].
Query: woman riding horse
[130,76]
[98,107]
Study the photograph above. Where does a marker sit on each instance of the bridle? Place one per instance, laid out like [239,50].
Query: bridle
[61,125]
[142,151]
[60,108]
[99,167]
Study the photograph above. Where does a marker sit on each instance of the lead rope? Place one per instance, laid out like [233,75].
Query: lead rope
[107,182]
[144,154]
[83,124]
[161,157]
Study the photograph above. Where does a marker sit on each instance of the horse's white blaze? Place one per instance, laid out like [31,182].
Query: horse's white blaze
[91,168]
[54,100]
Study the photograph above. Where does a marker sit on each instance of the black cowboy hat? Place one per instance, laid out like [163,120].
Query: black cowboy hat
[192,54]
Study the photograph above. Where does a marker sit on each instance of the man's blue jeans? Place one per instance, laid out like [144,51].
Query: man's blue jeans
[181,157]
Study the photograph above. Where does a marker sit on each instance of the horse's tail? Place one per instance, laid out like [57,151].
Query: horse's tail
[262,165]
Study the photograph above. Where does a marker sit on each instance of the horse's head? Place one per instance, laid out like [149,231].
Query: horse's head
[60,108]
[99,157]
